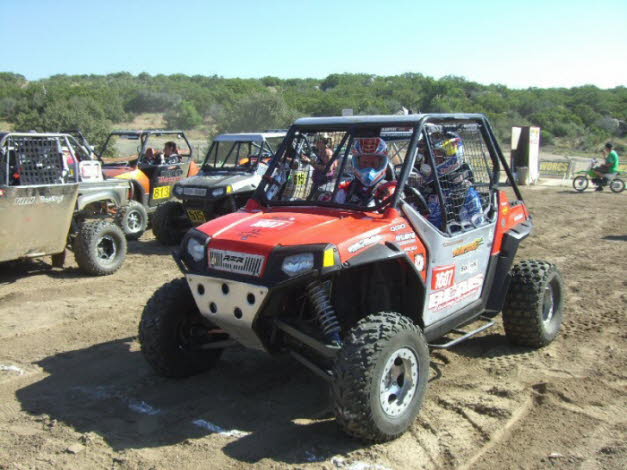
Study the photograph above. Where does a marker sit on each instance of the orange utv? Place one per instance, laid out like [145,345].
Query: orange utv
[140,157]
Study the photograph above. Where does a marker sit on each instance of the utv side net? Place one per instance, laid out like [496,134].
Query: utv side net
[35,160]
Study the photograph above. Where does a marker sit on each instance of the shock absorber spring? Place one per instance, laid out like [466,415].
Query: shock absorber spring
[324,311]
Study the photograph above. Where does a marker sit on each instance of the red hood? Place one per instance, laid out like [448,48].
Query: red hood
[260,232]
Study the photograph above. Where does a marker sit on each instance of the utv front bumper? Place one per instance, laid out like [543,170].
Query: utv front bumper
[247,306]
[230,305]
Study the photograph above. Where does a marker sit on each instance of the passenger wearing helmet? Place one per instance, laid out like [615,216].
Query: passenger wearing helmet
[460,197]
[370,161]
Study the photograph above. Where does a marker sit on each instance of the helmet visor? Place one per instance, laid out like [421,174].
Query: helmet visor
[370,160]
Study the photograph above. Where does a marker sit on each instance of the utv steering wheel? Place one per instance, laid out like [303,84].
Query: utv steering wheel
[420,200]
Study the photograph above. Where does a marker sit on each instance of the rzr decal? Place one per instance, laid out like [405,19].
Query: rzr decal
[396,228]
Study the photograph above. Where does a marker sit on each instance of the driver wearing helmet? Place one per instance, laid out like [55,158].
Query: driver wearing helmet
[370,161]
[461,199]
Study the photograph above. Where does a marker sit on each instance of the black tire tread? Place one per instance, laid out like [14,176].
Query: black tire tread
[522,323]
[354,368]
[162,223]
[155,333]
[84,249]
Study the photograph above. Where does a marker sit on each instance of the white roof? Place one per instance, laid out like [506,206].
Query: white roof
[252,137]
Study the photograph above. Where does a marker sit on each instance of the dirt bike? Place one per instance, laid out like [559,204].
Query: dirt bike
[585,177]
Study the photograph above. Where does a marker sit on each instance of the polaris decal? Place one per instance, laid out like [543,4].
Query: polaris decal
[457,293]
[470,247]
[443,277]
[364,243]
[410,248]
[407,242]
[405,236]
[518,217]
[265,223]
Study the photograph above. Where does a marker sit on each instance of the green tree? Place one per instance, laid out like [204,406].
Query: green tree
[184,117]
[257,112]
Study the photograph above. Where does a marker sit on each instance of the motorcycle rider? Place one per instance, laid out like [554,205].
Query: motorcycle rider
[609,167]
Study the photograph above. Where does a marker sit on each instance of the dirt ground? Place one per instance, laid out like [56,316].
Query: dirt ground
[75,392]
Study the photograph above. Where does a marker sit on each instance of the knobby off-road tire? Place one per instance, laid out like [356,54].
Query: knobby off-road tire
[534,306]
[133,219]
[380,377]
[168,223]
[580,183]
[617,185]
[99,247]
[166,332]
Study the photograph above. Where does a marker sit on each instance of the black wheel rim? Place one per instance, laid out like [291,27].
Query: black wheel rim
[106,249]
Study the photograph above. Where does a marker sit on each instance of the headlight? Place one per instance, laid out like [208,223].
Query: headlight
[217,192]
[295,264]
[178,190]
[195,249]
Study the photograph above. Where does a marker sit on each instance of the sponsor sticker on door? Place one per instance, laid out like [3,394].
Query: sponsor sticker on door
[443,277]
[469,289]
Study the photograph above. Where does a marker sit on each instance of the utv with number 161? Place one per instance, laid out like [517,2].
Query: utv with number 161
[360,271]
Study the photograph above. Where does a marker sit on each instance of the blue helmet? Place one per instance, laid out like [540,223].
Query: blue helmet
[370,159]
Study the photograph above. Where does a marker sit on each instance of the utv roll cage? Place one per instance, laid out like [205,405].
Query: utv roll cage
[397,127]
[143,136]
[257,140]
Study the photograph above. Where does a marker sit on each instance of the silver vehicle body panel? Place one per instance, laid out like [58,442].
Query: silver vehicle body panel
[210,290]
[461,260]
[114,191]
[35,220]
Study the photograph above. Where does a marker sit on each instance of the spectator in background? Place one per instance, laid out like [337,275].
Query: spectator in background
[324,152]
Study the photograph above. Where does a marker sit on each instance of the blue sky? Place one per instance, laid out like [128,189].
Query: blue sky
[515,43]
